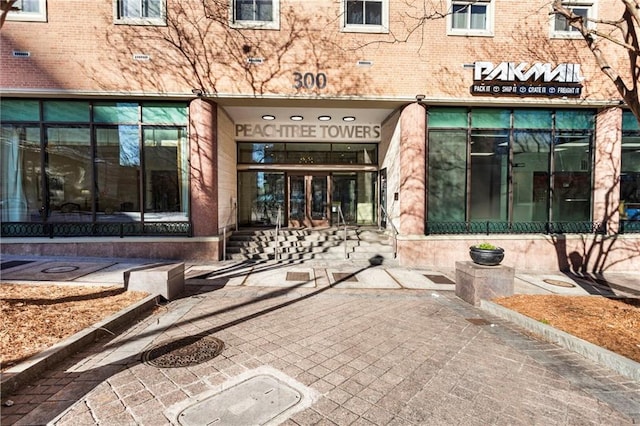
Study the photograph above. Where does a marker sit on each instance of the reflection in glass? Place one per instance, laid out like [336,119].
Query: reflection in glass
[531,175]
[68,174]
[307,153]
[489,171]
[260,197]
[166,178]
[117,181]
[447,175]
[571,177]
[20,194]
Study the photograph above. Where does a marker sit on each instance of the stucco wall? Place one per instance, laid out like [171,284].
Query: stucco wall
[227,175]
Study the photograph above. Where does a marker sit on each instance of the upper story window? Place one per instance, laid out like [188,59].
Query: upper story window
[140,12]
[366,16]
[471,18]
[256,14]
[560,25]
[29,10]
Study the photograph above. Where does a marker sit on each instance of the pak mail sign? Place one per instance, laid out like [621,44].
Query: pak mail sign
[539,79]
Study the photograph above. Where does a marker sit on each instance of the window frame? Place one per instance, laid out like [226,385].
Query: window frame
[123,20]
[40,16]
[589,5]
[274,24]
[383,28]
[468,31]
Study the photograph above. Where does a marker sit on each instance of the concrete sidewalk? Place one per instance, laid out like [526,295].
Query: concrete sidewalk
[356,343]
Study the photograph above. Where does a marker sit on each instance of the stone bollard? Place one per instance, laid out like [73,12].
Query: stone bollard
[475,282]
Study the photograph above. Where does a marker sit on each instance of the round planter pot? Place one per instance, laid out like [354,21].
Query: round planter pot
[486,257]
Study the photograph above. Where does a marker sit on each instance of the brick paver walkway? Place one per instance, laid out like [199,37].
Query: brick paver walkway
[375,357]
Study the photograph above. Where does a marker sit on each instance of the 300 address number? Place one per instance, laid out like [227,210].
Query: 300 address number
[309,80]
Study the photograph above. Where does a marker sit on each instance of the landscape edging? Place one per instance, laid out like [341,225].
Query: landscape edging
[28,370]
[623,365]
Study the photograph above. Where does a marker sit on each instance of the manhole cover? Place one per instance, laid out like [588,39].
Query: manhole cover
[344,276]
[184,352]
[298,276]
[478,321]
[60,269]
[439,279]
[559,283]
[254,401]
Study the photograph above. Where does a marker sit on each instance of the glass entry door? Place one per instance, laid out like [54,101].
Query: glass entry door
[309,200]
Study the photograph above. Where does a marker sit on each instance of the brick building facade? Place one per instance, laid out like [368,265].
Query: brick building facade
[157,127]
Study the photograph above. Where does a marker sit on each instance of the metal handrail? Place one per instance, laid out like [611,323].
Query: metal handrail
[341,218]
[276,250]
[395,231]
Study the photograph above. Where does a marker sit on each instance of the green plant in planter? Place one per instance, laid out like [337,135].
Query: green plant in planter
[486,246]
[486,254]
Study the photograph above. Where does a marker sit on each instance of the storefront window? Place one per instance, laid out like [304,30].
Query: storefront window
[630,169]
[74,174]
[489,172]
[166,177]
[68,172]
[117,164]
[509,165]
[447,175]
[20,180]
[571,177]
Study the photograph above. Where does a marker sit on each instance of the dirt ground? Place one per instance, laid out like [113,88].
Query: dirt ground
[36,317]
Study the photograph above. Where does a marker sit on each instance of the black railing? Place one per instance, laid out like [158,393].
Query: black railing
[95,229]
[629,226]
[490,227]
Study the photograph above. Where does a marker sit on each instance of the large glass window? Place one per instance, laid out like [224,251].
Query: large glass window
[131,167]
[117,164]
[447,172]
[166,180]
[307,153]
[140,12]
[261,195]
[68,171]
[21,197]
[471,17]
[522,165]
[256,13]
[630,168]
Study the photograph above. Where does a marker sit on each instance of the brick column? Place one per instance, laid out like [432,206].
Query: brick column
[412,169]
[203,172]
[606,172]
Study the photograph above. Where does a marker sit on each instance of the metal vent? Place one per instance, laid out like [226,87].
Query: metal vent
[21,54]
[256,61]
[141,57]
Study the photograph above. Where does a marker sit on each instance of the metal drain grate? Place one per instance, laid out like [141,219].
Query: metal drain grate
[344,276]
[298,276]
[559,283]
[439,279]
[478,321]
[185,352]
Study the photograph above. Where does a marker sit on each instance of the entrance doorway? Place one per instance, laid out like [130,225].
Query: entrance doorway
[309,200]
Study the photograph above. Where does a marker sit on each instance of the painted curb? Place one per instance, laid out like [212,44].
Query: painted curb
[612,360]
[27,371]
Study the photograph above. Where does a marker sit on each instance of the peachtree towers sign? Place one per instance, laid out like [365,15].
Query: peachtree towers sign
[307,132]
[539,79]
